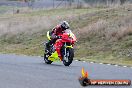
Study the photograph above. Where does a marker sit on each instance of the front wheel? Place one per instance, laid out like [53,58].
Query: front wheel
[68,57]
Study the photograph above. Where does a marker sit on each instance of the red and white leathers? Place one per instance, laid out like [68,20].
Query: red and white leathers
[56,31]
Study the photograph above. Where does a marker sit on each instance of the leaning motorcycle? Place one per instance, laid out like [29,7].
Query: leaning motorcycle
[66,43]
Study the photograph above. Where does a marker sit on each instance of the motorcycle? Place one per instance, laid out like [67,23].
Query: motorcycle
[65,43]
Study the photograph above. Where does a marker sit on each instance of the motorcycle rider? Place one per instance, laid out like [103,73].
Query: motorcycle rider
[56,31]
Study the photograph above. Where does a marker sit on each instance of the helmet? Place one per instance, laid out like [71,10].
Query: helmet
[64,25]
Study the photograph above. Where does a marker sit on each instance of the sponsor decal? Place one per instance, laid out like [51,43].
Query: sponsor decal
[84,80]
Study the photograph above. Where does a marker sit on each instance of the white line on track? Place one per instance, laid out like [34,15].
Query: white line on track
[124,66]
[76,60]
[100,63]
[116,65]
[108,64]
[84,61]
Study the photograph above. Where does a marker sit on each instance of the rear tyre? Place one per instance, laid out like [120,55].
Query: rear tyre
[70,55]
[46,59]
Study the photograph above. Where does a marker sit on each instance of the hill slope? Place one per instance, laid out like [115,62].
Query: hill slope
[104,33]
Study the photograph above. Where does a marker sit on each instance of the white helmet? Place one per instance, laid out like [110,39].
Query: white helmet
[64,25]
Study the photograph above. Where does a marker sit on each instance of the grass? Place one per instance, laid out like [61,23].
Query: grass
[4,8]
[104,34]
[107,40]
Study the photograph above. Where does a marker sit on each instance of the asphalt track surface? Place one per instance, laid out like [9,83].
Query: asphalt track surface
[17,71]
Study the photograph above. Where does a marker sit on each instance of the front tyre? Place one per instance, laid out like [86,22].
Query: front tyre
[68,57]
[46,59]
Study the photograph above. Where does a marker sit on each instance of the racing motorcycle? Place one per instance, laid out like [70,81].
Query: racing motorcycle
[66,42]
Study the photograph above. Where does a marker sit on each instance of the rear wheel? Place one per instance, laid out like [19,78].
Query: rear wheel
[68,57]
[46,54]
[46,59]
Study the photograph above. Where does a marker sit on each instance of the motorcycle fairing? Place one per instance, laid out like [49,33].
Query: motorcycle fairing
[48,35]
[54,57]
[69,46]
[58,46]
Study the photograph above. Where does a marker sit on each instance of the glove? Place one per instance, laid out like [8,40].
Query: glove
[56,37]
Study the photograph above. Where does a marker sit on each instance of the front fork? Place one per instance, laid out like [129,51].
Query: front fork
[66,54]
[65,50]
